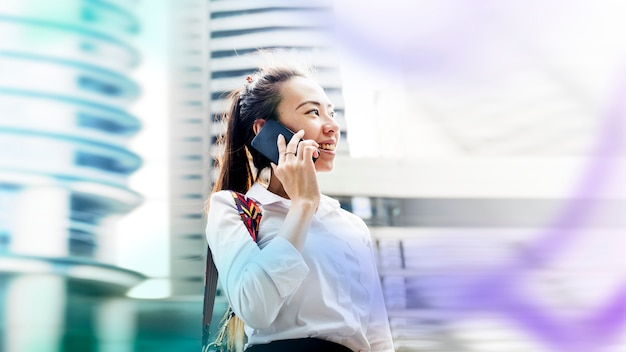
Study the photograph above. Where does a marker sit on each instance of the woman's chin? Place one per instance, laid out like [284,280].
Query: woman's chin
[323,167]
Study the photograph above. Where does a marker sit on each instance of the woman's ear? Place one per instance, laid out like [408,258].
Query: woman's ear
[258,124]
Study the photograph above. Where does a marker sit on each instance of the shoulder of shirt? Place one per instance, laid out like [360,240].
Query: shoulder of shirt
[335,204]
[221,197]
[221,194]
[354,217]
[331,202]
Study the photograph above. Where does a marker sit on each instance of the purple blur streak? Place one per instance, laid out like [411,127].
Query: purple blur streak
[498,289]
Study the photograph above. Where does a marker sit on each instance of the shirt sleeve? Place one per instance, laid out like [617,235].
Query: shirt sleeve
[256,282]
[378,331]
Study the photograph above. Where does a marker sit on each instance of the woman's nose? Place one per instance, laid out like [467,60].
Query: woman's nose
[331,126]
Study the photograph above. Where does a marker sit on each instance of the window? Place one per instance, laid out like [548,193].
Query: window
[103,124]
[102,162]
[81,243]
[99,86]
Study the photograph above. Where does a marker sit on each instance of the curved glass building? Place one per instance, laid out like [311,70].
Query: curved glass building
[64,162]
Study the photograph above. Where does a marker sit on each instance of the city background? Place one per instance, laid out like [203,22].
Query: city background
[482,142]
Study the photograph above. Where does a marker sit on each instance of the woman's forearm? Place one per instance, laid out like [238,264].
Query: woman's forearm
[297,222]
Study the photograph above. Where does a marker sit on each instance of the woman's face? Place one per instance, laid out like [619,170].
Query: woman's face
[305,106]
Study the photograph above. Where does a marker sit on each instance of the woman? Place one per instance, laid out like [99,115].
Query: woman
[311,280]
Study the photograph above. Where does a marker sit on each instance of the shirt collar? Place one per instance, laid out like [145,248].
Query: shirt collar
[260,194]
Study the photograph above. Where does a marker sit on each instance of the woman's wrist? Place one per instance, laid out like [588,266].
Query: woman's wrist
[297,221]
[306,204]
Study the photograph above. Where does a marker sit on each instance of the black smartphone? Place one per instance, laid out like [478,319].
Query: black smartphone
[265,140]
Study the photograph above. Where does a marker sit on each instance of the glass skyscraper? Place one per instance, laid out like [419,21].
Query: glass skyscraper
[64,165]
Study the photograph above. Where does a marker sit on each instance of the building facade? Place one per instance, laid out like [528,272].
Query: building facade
[64,164]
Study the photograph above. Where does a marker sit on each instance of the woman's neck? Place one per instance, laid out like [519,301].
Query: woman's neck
[276,187]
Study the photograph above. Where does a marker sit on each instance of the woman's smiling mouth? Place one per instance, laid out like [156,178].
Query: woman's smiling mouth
[327,146]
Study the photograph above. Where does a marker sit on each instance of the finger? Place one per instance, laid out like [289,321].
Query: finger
[308,152]
[282,148]
[292,147]
[309,144]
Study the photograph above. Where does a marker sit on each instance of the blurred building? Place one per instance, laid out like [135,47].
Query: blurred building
[442,226]
[64,164]
[503,173]
[189,108]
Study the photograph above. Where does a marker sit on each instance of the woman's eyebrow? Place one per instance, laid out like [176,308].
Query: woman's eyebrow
[308,102]
[316,103]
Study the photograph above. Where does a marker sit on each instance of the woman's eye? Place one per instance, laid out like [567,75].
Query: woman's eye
[315,111]
[331,114]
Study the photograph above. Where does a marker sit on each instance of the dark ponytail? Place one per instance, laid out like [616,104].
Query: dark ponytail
[235,171]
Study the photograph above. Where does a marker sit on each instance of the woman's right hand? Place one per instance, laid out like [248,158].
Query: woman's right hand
[296,170]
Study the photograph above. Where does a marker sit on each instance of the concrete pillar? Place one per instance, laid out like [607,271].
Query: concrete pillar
[116,325]
[106,249]
[35,313]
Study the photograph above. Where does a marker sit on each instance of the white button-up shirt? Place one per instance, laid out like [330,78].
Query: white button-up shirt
[331,290]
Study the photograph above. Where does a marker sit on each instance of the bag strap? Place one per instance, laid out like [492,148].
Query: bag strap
[250,214]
